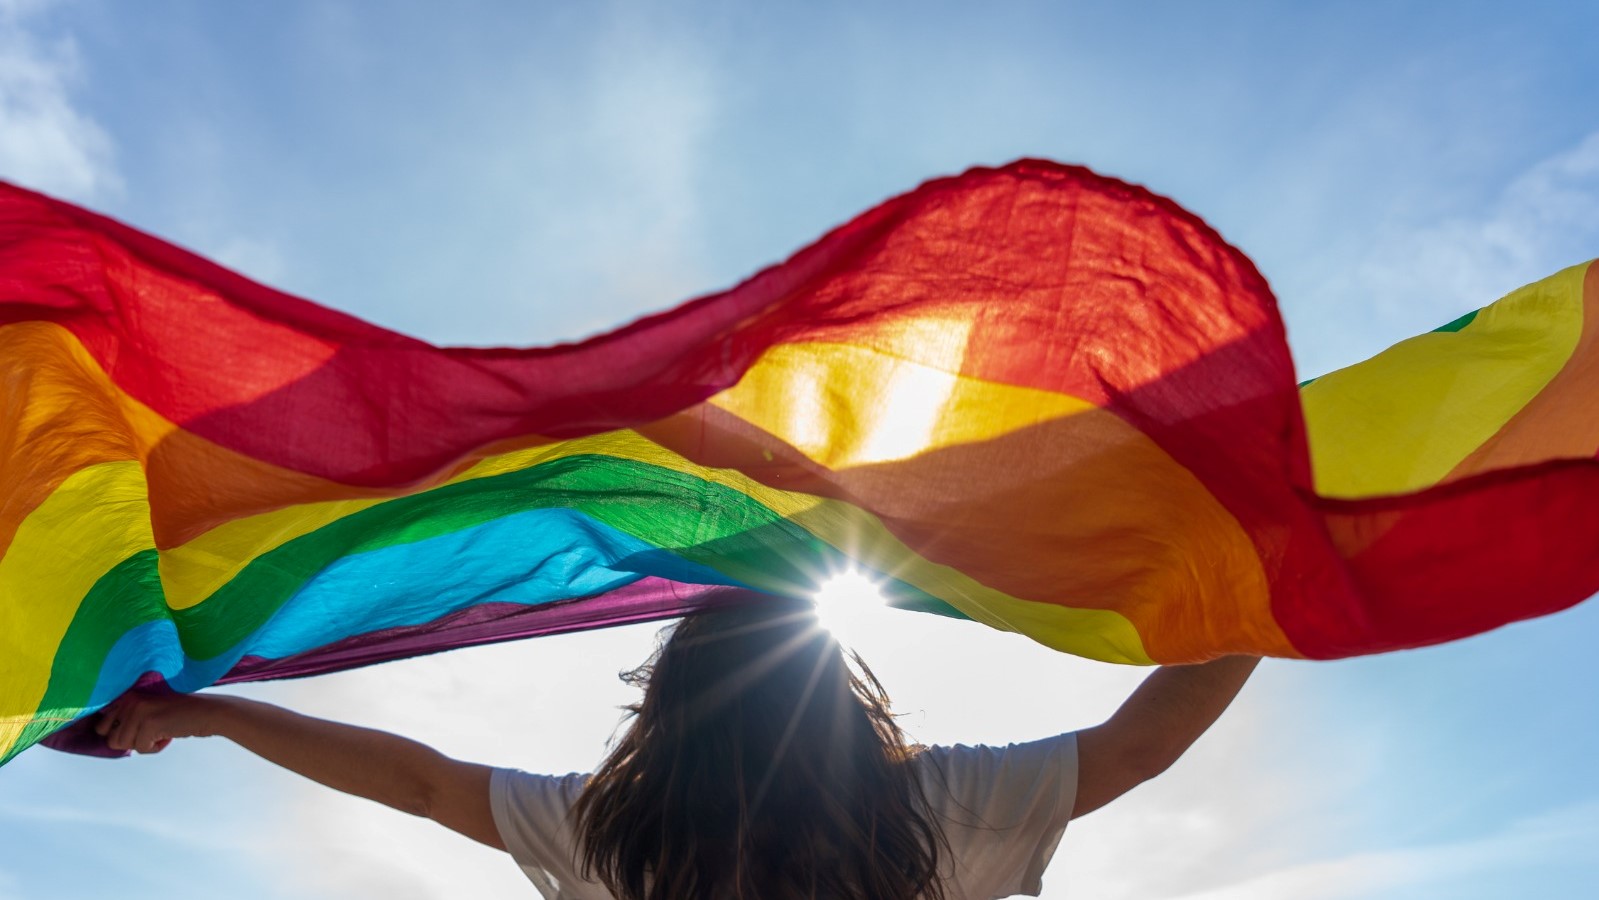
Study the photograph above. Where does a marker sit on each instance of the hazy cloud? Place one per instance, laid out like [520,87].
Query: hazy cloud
[1559,835]
[1417,275]
[1542,221]
[624,151]
[46,142]
[1222,813]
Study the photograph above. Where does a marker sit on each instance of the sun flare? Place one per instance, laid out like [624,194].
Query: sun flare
[845,601]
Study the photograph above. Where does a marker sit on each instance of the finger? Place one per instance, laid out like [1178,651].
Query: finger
[116,739]
[109,717]
[123,731]
[146,742]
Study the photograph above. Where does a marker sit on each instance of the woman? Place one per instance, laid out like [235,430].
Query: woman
[757,765]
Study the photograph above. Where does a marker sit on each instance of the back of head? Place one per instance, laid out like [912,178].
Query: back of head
[758,765]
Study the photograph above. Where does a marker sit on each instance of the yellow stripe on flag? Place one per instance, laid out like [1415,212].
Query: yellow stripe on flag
[97,518]
[1402,420]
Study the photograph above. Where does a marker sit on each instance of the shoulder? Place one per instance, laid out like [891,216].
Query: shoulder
[997,776]
[523,801]
[515,784]
[532,813]
[1002,809]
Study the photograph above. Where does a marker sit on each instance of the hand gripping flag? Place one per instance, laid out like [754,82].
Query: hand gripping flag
[1030,396]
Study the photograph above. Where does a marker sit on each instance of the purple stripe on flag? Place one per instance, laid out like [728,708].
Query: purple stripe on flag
[647,599]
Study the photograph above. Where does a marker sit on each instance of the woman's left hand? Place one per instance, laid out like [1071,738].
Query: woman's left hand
[147,723]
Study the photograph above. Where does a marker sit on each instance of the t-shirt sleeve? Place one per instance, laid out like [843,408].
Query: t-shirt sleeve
[1003,811]
[531,813]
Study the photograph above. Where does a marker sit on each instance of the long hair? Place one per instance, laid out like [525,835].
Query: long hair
[758,765]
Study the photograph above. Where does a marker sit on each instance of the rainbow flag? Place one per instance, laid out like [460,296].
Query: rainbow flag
[1030,396]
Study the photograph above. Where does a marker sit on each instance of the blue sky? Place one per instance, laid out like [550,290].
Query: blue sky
[525,173]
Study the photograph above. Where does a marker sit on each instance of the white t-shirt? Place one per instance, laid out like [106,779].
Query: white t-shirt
[1003,810]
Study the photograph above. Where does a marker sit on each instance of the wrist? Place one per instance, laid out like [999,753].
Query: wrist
[220,715]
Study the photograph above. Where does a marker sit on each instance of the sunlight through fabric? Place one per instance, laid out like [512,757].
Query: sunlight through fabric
[1030,396]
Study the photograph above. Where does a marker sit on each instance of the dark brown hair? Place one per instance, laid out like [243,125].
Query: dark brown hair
[758,765]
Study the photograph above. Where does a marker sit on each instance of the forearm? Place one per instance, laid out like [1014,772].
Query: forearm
[365,762]
[1176,704]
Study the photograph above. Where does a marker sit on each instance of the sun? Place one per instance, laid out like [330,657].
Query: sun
[845,602]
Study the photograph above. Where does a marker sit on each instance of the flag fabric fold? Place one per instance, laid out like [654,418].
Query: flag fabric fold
[1030,396]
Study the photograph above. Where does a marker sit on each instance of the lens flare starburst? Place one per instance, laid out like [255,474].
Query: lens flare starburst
[845,602]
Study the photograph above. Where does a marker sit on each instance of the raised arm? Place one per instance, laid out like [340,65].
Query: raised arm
[1155,726]
[392,770]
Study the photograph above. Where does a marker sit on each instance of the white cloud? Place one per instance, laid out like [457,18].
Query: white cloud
[1417,275]
[1542,221]
[1219,815]
[46,141]
[1556,836]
